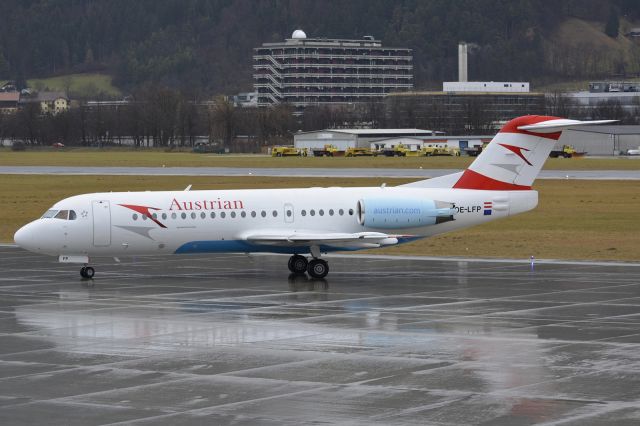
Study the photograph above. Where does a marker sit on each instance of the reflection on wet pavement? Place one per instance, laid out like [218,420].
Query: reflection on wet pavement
[232,339]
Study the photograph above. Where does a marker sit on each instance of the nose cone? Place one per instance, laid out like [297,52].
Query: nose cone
[25,237]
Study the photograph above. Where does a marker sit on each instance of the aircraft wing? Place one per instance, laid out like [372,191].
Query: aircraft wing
[315,238]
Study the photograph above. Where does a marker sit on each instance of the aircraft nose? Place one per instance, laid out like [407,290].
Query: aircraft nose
[25,237]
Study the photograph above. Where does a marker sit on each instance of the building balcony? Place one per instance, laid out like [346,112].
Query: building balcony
[339,66]
[333,56]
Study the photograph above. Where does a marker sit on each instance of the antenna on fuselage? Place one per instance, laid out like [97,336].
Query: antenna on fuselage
[188,188]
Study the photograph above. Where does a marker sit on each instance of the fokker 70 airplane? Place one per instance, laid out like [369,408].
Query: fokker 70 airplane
[300,221]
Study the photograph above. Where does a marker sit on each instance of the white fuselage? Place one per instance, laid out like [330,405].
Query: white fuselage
[147,223]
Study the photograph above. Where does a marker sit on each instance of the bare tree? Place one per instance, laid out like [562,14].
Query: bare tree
[223,121]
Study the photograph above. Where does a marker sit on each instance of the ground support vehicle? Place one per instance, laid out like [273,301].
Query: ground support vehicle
[567,151]
[399,150]
[327,151]
[360,152]
[288,151]
[434,150]
[476,150]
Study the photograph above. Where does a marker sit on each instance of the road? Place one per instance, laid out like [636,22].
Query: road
[299,172]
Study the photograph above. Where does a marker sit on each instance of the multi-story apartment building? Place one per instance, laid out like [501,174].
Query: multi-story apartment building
[308,71]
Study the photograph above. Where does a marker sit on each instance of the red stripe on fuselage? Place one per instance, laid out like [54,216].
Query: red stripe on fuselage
[474,180]
[512,126]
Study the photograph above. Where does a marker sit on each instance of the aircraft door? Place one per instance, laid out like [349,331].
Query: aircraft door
[101,223]
[288,213]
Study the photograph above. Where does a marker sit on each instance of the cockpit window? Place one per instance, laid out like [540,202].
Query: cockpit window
[49,214]
[72,215]
[62,214]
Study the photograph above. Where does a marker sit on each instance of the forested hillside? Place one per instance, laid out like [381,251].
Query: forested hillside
[205,46]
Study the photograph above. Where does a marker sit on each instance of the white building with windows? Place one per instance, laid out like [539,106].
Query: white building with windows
[486,86]
[309,71]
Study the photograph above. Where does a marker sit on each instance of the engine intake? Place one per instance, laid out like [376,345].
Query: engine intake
[396,213]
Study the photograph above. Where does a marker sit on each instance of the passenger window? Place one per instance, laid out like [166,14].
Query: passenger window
[164,215]
[193,215]
[321,212]
[135,216]
[263,214]
[184,215]
[312,212]
[275,213]
[213,215]
[62,214]
[243,214]
[233,214]
[222,215]
[144,216]
[341,212]
[253,214]
[72,215]
[303,212]
[350,212]
[154,215]
[203,215]
[173,216]
[330,212]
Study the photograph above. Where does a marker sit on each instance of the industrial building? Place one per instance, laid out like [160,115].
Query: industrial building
[353,138]
[464,107]
[461,112]
[588,103]
[307,71]
[601,140]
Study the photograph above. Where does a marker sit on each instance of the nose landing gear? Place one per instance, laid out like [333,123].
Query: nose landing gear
[87,272]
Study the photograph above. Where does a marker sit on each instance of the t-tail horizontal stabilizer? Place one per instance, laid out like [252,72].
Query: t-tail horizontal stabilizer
[514,157]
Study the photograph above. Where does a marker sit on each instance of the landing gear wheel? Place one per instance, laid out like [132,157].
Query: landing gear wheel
[298,264]
[87,272]
[318,268]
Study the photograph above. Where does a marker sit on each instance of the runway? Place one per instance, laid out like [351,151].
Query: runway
[300,172]
[232,339]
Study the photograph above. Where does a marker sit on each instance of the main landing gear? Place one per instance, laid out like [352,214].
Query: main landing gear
[316,268]
[87,272]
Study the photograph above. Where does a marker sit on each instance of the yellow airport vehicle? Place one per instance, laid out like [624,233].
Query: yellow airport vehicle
[327,151]
[288,151]
[400,150]
[360,152]
[567,151]
[433,150]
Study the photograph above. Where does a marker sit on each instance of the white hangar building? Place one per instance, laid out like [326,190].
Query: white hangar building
[353,138]
[601,140]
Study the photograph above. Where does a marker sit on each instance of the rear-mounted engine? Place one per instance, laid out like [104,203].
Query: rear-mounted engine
[395,213]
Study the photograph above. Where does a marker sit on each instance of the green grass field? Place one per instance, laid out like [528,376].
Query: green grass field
[158,158]
[90,84]
[574,220]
